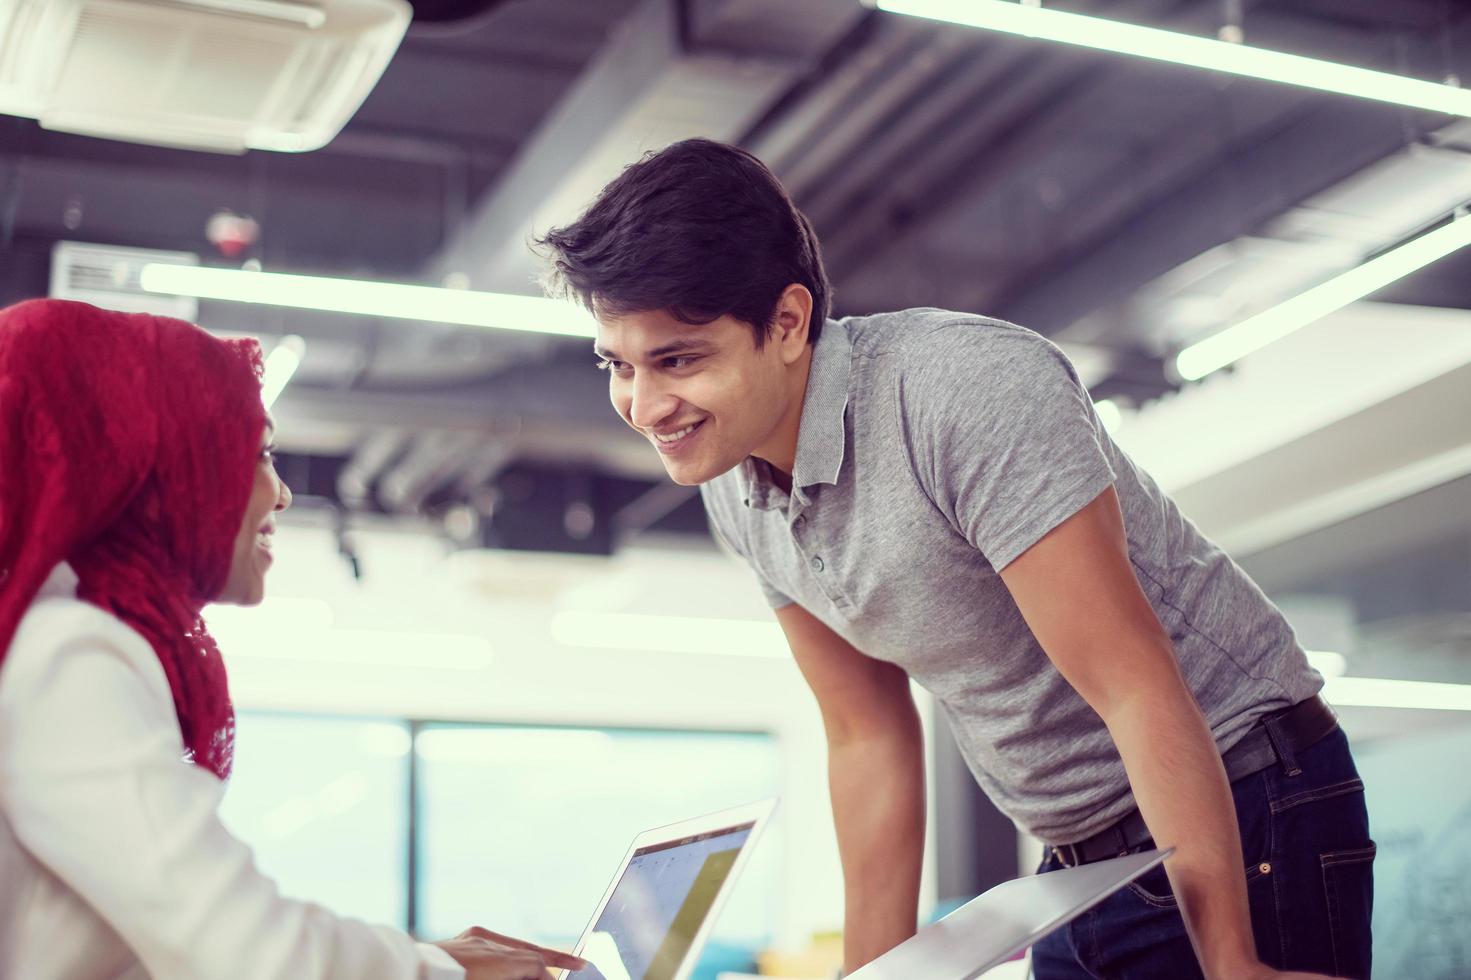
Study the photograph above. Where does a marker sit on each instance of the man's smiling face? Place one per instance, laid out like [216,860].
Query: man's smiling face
[704,395]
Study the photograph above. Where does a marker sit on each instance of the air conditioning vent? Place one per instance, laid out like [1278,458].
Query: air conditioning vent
[107,276]
[222,75]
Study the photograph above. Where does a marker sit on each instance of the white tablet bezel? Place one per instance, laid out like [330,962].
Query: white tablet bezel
[757,814]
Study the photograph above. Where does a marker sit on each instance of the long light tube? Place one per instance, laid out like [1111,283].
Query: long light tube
[679,634]
[281,363]
[1186,49]
[503,311]
[303,631]
[1376,692]
[1383,692]
[1271,325]
[670,634]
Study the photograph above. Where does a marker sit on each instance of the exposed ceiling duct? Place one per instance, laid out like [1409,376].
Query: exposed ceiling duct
[1120,206]
[674,70]
[1324,234]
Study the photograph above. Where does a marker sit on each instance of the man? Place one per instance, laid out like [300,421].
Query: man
[930,495]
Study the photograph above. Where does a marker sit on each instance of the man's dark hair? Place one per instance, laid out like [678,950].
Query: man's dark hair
[700,229]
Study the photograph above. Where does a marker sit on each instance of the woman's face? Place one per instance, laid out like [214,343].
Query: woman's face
[252,555]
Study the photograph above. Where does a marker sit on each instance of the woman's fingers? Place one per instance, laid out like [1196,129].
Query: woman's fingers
[553,957]
[487,960]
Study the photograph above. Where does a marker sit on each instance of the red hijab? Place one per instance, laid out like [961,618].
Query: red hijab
[128,444]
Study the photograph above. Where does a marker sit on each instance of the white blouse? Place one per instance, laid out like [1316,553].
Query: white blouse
[113,860]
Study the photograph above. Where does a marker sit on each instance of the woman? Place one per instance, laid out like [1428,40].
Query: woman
[136,484]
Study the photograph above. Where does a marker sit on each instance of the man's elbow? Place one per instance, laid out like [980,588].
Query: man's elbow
[894,726]
[1152,688]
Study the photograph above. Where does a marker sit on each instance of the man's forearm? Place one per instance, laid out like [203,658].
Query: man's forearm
[1182,792]
[878,801]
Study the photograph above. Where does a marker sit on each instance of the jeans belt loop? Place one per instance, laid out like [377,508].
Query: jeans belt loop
[1283,747]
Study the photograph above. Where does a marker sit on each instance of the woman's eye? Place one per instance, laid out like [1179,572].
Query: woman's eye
[675,363]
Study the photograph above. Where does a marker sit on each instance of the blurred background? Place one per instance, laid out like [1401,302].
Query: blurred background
[500,642]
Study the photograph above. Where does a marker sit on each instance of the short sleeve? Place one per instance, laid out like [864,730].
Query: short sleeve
[775,598]
[1002,433]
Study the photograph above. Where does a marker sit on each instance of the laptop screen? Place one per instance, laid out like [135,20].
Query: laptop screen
[658,906]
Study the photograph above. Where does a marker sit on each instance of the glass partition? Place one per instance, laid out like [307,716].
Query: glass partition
[322,802]
[515,828]
[521,828]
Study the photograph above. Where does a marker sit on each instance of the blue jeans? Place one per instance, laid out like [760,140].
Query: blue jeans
[1309,879]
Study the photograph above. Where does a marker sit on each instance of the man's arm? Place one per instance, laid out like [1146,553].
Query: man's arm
[1077,591]
[876,775]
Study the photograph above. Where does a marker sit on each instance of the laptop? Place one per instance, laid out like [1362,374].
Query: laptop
[657,914]
[990,929]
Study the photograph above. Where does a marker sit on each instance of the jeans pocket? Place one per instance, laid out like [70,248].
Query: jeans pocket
[1348,885]
[1153,887]
[1346,787]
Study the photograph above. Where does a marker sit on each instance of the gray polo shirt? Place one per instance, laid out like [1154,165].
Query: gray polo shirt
[935,448]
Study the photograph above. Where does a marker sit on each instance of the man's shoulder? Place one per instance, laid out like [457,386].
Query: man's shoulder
[925,333]
[930,353]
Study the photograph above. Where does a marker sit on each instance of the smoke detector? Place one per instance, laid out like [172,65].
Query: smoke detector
[219,75]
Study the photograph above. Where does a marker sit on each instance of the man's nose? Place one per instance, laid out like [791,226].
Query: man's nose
[651,402]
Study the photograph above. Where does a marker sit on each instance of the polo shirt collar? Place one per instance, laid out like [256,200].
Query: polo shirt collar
[821,436]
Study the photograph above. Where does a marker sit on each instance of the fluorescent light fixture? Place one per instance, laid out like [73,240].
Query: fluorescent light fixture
[1155,44]
[302,631]
[500,311]
[281,364]
[670,634]
[1271,325]
[1374,692]
[1377,692]
[377,648]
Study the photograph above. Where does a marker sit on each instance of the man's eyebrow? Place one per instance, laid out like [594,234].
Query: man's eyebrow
[675,347]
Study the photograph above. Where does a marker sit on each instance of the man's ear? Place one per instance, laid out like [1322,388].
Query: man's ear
[792,322]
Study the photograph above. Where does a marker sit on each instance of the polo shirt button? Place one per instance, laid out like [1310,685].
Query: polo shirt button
[799,521]
[816,563]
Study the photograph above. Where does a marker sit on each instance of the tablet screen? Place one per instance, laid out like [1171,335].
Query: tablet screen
[658,906]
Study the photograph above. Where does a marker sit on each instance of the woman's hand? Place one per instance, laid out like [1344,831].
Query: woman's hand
[487,955]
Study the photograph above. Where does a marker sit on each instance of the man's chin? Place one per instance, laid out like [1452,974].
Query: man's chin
[692,474]
[686,476]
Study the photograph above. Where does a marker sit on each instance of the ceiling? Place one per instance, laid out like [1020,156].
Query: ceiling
[1119,206]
